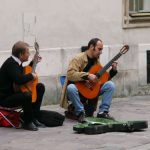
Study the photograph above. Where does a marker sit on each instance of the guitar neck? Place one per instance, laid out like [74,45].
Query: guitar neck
[103,70]
[34,64]
[34,67]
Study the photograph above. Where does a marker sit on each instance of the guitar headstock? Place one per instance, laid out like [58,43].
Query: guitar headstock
[36,46]
[124,49]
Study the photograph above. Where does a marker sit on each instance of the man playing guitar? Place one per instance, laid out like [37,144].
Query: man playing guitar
[78,71]
[12,73]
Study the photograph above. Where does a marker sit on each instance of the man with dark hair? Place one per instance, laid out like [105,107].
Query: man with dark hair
[11,73]
[79,71]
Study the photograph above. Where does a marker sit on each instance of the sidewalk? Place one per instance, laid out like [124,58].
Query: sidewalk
[64,138]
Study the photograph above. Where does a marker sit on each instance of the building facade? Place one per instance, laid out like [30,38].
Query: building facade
[61,27]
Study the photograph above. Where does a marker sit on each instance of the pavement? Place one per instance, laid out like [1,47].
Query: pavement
[64,138]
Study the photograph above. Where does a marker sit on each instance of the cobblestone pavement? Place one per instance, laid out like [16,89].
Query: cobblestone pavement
[64,138]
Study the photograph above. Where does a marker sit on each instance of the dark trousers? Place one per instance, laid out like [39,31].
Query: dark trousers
[30,110]
[89,105]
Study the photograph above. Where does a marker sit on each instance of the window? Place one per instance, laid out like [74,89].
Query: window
[136,13]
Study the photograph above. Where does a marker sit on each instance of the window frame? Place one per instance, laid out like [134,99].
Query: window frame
[134,20]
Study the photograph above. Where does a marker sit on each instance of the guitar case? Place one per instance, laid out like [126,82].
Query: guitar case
[51,118]
[100,125]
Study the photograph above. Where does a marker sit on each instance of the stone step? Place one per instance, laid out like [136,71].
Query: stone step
[144,90]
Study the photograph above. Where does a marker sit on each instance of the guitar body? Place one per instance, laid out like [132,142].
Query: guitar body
[92,92]
[30,86]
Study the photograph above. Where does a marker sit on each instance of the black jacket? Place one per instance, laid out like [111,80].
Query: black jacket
[10,73]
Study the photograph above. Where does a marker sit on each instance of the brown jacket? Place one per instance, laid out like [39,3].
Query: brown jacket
[75,73]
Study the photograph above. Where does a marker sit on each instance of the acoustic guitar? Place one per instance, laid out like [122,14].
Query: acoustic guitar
[90,90]
[31,86]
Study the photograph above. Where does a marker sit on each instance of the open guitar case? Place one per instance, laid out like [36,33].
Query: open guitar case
[100,125]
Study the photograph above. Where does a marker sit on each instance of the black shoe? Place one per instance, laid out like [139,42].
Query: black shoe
[29,126]
[81,117]
[105,115]
[70,115]
[38,124]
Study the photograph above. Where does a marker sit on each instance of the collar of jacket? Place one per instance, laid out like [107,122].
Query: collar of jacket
[16,59]
[85,57]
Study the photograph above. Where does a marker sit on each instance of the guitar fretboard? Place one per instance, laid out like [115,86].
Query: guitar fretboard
[103,70]
[34,63]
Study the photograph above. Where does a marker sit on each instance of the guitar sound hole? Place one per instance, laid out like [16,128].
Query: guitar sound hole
[89,86]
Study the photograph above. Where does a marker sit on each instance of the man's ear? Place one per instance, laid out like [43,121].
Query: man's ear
[92,47]
[20,56]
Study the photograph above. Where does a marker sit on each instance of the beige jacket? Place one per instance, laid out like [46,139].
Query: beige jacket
[75,73]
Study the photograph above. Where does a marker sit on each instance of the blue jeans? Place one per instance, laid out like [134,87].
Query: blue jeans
[106,91]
